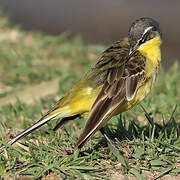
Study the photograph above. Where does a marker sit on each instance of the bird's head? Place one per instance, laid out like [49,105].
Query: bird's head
[144,32]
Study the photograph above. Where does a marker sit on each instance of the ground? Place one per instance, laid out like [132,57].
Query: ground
[35,71]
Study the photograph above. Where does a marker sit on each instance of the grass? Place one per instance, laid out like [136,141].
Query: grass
[146,140]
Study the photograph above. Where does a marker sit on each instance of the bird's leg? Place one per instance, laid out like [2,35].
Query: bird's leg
[107,138]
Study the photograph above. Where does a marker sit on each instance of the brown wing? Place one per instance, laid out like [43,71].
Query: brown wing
[135,68]
[120,85]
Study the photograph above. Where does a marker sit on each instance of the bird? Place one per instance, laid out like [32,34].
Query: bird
[122,77]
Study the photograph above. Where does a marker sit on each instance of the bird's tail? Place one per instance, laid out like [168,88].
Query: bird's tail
[35,126]
[57,112]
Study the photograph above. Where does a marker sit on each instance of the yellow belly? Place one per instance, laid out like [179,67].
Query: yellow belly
[141,93]
[81,99]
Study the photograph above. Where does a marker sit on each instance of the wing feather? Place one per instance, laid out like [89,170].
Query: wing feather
[121,82]
[104,107]
[132,85]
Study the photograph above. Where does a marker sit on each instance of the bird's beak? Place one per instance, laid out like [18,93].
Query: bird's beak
[132,50]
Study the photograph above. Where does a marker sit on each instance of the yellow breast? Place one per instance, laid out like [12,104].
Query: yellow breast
[151,50]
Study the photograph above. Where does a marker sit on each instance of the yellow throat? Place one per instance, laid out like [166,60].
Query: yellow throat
[151,50]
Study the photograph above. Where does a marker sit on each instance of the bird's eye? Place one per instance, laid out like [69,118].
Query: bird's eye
[152,35]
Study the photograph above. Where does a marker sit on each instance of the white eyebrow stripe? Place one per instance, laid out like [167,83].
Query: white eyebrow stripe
[147,29]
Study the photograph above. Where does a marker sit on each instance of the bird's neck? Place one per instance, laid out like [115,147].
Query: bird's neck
[151,50]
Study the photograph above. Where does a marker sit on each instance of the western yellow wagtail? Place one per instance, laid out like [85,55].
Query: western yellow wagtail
[122,78]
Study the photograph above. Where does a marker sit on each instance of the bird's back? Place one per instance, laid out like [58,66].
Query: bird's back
[82,96]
